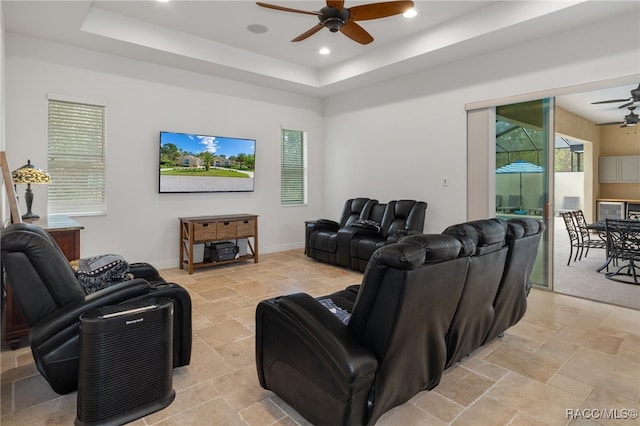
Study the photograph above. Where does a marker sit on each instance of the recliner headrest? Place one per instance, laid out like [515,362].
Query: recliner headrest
[399,256]
[357,204]
[355,209]
[514,231]
[488,235]
[502,222]
[439,247]
[529,225]
[402,208]
[377,212]
[32,258]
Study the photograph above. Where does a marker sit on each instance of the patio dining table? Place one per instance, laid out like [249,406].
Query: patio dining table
[623,244]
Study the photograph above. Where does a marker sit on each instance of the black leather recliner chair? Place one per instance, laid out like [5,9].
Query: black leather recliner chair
[320,235]
[475,312]
[51,299]
[510,304]
[356,243]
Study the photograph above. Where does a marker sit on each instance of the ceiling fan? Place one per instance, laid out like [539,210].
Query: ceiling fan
[336,17]
[630,119]
[635,97]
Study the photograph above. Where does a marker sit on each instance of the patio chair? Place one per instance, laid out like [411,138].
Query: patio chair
[585,235]
[574,238]
[623,239]
[513,204]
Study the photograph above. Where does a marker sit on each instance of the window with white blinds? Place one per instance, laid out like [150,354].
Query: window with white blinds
[293,170]
[76,158]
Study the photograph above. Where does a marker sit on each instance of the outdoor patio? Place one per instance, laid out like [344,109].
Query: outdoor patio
[581,279]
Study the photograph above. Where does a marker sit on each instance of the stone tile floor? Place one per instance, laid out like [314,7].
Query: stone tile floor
[565,362]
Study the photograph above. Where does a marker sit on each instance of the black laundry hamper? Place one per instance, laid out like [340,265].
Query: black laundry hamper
[126,362]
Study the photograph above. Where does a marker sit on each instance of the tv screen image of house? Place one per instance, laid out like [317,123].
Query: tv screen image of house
[201,163]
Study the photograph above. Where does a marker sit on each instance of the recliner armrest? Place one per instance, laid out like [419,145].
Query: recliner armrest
[395,238]
[64,323]
[312,361]
[336,339]
[333,340]
[367,224]
[348,232]
[344,237]
[325,224]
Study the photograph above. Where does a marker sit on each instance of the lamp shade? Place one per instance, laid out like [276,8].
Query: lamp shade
[30,174]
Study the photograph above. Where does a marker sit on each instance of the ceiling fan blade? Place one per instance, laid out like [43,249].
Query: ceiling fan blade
[611,123]
[308,33]
[356,33]
[610,101]
[287,9]
[379,10]
[628,104]
[336,4]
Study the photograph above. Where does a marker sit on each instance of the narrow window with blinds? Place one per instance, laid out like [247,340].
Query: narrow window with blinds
[293,170]
[76,157]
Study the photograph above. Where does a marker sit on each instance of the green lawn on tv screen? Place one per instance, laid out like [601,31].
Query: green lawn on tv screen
[202,172]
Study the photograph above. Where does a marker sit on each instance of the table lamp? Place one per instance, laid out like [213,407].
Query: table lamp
[30,174]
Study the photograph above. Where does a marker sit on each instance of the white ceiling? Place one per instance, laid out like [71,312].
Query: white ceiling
[581,104]
[211,37]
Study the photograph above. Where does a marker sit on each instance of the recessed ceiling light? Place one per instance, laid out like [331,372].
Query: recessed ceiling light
[257,28]
[324,51]
[163,1]
[410,13]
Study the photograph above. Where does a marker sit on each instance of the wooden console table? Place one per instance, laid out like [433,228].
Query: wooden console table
[208,229]
[66,232]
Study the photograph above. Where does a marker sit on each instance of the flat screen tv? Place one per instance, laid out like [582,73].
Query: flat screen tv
[201,163]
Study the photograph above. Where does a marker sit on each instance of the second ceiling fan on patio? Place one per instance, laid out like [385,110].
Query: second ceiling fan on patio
[336,17]
[630,119]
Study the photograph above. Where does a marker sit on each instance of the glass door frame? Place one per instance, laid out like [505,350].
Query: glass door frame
[481,176]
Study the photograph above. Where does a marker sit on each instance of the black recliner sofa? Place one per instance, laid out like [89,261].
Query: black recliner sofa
[365,226]
[347,358]
[52,299]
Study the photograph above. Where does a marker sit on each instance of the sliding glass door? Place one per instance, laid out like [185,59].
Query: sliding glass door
[523,182]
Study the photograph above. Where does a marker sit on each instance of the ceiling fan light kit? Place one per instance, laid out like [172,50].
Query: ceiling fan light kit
[335,17]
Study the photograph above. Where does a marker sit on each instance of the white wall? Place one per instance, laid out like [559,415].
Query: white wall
[400,138]
[569,184]
[143,99]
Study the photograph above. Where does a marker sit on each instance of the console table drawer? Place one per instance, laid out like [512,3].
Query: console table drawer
[204,231]
[246,228]
[226,229]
